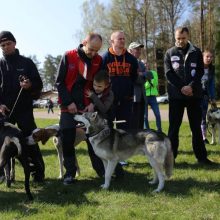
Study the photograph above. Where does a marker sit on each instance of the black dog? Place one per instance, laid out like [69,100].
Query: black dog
[12,144]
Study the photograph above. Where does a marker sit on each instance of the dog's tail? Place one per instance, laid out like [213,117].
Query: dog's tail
[169,160]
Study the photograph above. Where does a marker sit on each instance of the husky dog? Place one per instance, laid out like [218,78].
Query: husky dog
[43,135]
[115,145]
[213,118]
[12,144]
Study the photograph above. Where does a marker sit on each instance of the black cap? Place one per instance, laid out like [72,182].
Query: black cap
[6,35]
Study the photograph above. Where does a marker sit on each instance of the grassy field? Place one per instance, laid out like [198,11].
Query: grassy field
[191,193]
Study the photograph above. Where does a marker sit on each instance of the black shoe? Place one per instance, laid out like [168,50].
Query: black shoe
[206,162]
[68,180]
[206,141]
[2,179]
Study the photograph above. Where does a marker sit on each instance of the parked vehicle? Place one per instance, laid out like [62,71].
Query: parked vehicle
[163,99]
[40,103]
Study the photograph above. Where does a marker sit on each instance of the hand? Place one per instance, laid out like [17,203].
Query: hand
[4,109]
[88,93]
[187,90]
[72,108]
[89,108]
[25,84]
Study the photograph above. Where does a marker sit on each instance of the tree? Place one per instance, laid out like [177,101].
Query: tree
[50,67]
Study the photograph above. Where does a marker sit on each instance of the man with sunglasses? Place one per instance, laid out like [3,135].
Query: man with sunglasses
[20,83]
[75,76]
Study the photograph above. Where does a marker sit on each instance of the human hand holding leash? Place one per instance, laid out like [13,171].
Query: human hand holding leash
[25,83]
[4,109]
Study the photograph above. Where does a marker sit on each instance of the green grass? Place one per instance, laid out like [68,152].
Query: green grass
[191,193]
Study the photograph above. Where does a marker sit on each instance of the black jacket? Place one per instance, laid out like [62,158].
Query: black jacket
[183,69]
[11,67]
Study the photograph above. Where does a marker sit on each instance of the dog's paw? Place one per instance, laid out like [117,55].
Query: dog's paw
[156,191]
[103,186]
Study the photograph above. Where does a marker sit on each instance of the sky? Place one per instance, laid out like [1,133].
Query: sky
[42,27]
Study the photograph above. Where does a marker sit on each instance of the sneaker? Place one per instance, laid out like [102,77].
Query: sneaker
[68,180]
[206,162]
[206,141]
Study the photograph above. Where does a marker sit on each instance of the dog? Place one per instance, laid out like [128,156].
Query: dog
[213,118]
[43,134]
[12,145]
[114,145]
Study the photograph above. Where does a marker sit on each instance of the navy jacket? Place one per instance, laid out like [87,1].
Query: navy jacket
[123,73]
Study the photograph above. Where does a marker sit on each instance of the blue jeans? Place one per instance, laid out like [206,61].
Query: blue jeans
[152,101]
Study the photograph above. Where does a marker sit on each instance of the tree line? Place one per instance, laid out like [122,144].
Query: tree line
[151,23]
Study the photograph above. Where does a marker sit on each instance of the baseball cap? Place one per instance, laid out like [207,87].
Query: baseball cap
[135,45]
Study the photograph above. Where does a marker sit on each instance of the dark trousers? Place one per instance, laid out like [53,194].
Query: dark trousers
[25,121]
[194,112]
[122,111]
[138,110]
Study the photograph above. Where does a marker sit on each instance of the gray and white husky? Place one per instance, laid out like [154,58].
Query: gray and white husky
[114,145]
[213,118]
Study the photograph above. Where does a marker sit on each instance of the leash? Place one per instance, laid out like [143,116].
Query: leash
[15,102]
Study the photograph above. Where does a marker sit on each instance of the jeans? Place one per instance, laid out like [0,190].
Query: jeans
[152,101]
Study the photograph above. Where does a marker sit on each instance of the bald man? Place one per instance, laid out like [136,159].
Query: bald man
[75,76]
[122,68]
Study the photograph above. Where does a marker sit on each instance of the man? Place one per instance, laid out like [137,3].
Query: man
[122,68]
[75,76]
[184,70]
[139,92]
[20,84]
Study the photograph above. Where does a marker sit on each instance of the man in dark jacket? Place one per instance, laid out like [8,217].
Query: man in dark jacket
[184,70]
[75,76]
[20,83]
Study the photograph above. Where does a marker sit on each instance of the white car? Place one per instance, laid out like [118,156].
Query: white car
[40,103]
[162,99]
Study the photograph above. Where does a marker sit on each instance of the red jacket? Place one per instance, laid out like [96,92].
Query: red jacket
[75,66]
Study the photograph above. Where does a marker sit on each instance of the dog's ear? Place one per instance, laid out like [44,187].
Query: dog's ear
[213,105]
[94,115]
[51,132]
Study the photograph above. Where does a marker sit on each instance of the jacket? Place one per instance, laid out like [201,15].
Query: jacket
[11,68]
[208,82]
[183,70]
[139,90]
[123,73]
[103,102]
[75,76]
[152,85]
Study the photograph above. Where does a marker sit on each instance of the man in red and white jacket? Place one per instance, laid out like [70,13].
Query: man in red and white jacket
[75,76]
